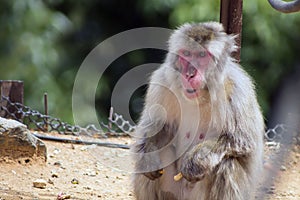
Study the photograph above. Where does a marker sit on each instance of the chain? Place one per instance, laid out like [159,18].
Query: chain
[117,125]
[276,133]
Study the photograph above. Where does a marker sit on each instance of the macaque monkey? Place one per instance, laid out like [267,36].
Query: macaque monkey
[200,136]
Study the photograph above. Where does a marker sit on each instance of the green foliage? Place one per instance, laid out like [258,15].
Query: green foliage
[30,51]
[270,45]
[44,42]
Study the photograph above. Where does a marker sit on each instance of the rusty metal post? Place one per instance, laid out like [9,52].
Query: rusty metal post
[46,110]
[231,18]
[14,90]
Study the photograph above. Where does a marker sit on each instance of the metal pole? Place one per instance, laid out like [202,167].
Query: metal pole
[46,109]
[231,17]
[46,103]
[14,90]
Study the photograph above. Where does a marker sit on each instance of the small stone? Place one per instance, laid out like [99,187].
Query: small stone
[62,196]
[50,181]
[87,188]
[90,172]
[283,194]
[54,174]
[74,181]
[87,147]
[57,163]
[40,183]
[282,168]
[56,151]
[291,193]
[270,192]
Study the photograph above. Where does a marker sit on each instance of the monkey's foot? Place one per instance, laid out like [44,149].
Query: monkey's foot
[154,175]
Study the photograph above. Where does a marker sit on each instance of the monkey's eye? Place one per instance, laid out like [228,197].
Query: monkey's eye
[186,53]
[202,54]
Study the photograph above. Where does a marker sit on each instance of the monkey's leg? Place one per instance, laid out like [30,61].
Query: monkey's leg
[144,188]
[145,181]
[230,181]
[150,180]
[148,187]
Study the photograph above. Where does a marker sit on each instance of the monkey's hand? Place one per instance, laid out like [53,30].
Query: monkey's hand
[154,175]
[149,165]
[199,161]
[154,165]
[193,172]
[150,151]
[192,169]
[146,169]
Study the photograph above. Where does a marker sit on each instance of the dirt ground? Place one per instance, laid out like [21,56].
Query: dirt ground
[90,172]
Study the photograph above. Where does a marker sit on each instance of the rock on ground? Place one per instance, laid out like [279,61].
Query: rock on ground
[17,144]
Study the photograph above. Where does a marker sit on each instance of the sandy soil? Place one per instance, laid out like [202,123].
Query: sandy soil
[92,172]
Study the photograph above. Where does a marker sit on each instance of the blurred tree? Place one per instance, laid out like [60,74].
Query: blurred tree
[30,52]
[270,45]
[44,43]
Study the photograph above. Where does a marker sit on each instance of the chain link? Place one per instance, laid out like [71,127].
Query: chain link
[117,125]
[276,133]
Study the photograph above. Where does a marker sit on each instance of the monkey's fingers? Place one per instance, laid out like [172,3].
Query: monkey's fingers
[178,177]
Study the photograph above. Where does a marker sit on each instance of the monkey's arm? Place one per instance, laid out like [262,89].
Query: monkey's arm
[203,158]
[150,148]
[147,157]
[155,129]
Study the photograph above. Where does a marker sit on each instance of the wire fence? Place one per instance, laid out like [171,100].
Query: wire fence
[116,126]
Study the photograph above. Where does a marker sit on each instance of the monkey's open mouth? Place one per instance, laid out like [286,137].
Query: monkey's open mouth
[191,80]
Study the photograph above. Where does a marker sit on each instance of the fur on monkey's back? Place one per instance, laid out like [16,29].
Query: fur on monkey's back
[229,105]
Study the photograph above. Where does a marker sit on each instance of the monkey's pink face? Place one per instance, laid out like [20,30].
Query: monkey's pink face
[192,66]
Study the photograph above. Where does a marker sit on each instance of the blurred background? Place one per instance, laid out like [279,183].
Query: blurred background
[44,43]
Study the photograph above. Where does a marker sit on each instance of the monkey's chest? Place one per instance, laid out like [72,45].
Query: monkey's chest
[186,139]
[181,188]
